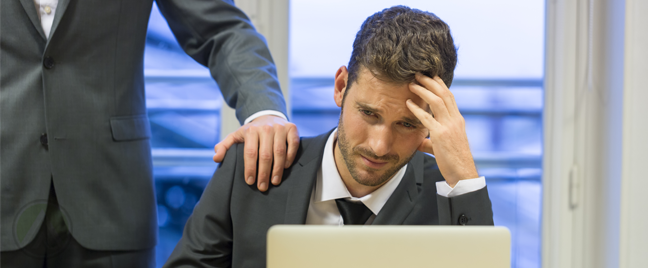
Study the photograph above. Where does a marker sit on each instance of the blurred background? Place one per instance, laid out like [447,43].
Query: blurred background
[498,86]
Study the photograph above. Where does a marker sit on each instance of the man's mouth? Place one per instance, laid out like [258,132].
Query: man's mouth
[374,164]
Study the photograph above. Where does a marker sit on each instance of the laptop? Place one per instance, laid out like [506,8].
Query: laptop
[299,246]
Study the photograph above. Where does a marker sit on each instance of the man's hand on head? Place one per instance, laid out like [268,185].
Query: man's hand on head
[448,141]
[267,139]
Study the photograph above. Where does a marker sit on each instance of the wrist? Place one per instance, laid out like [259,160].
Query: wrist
[265,113]
[452,181]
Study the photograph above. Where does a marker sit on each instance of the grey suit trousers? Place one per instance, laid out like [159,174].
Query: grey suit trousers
[54,247]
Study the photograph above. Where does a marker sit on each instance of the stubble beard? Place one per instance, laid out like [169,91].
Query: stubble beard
[370,179]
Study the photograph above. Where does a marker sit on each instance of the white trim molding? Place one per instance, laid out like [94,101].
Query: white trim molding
[558,133]
[634,199]
[595,134]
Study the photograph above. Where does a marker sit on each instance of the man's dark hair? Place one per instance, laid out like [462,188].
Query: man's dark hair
[397,42]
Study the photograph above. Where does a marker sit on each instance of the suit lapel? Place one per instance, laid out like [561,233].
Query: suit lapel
[60,10]
[304,173]
[299,196]
[32,13]
[402,201]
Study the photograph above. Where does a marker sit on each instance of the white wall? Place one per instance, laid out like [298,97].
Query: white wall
[595,129]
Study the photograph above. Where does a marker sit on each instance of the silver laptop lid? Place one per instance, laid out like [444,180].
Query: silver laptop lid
[292,246]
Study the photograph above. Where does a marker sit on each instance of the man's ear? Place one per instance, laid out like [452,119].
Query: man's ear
[341,78]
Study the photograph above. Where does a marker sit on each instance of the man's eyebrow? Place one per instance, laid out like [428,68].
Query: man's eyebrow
[412,121]
[364,106]
[368,107]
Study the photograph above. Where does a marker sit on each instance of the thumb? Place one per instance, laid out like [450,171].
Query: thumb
[225,144]
[220,150]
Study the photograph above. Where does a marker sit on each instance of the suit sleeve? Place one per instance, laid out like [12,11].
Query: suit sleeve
[472,208]
[220,36]
[207,237]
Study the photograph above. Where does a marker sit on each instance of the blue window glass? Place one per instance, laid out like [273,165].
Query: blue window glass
[183,104]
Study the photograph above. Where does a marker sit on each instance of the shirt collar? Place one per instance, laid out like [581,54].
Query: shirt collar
[329,185]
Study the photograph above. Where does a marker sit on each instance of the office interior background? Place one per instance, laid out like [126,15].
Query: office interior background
[499,86]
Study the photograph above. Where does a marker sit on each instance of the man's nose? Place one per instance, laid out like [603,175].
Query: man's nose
[381,140]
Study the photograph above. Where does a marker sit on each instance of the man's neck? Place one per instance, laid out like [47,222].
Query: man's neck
[355,189]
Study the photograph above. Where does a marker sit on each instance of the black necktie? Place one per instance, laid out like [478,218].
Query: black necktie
[353,212]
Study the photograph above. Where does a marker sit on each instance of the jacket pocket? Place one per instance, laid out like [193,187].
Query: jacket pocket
[125,128]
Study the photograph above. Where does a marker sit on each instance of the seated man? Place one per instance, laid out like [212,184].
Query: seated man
[372,169]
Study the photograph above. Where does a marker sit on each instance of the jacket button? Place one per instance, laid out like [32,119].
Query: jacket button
[43,140]
[463,219]
[48,63]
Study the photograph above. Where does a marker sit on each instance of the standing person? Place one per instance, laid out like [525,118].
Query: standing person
[75,158]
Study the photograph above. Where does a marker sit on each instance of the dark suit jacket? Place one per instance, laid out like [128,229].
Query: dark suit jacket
[84,87]
[228,226]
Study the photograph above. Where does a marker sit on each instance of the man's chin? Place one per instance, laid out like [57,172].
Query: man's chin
[370,179]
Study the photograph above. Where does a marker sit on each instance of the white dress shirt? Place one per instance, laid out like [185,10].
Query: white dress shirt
[46,10]
[329,186]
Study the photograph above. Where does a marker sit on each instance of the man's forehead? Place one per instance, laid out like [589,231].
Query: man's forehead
[376,85]
[372,85]
[368,77]
[373,90]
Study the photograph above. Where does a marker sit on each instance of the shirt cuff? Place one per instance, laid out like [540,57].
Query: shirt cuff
[462,187]
[262,113]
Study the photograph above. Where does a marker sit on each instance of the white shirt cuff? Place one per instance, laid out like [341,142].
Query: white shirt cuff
[262,113]
[462,187]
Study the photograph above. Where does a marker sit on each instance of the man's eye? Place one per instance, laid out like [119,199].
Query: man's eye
[367,112]
[408,125]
